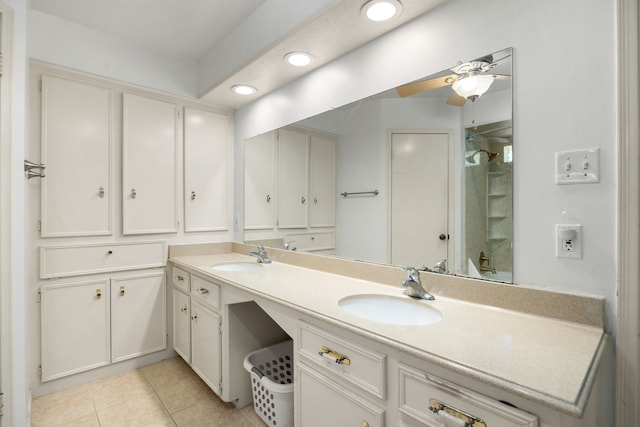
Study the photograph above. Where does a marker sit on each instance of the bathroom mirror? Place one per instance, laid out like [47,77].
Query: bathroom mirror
[423,173]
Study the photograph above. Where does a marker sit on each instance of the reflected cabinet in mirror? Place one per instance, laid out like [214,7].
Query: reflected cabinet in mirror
[419,175]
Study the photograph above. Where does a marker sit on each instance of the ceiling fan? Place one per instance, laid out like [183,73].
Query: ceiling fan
[469,80]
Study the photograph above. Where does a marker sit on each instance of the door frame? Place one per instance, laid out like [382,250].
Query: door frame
[628,219]
[450,184]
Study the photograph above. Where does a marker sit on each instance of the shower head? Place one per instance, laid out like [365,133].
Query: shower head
[491,156]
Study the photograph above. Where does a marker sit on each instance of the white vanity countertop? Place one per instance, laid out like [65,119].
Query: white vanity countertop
[546,360]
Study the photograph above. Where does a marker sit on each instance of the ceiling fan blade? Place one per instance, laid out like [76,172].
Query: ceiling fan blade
[425,85]
[456,100]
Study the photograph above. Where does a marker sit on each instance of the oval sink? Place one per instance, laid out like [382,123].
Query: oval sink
[237,266]
[390,309]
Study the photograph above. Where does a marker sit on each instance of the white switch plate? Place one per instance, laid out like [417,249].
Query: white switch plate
[578,167]
[569,241]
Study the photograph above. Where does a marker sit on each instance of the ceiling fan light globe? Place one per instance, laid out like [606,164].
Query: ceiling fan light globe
[472,87]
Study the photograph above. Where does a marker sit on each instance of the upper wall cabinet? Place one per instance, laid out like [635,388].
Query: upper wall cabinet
[149,137]
[206,175]
[259,182]
[322,182]
[77,152]
[293,179]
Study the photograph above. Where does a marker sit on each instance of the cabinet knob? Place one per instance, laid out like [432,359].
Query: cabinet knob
[268,198]
[133,193]
[442,237]
[303,200]
[101,192]
[193,195]
[315,200]
[109,252]
[98,293]
[195,318]
[184,309]
[121,291]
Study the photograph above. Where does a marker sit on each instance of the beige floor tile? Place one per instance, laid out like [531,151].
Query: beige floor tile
[119,388]
[90,420]
[62,406]
[144,410]
[183,392]
[166,372]
[208,414]
[252,416]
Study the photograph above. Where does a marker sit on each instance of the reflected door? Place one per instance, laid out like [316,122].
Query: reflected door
[419,198]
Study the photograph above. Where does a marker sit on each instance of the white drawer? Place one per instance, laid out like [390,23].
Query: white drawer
[76,260]
[362,367]
[318,241]
[181,279]
[206,291]
[431,400]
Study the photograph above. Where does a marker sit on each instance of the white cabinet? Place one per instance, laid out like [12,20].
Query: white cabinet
[322,182]
[75,327]
[206,358]
[138,313]
[182,325]
[259,182]
[293,179]
[149,138]
[77,151]
[206,142]
[94,323]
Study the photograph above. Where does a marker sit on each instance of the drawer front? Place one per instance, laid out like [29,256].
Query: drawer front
[435,402]
[181,279]
[76,260]
[206,291]
[309,242]
[362,367]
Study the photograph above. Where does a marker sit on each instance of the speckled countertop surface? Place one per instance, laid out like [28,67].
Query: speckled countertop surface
[550,361]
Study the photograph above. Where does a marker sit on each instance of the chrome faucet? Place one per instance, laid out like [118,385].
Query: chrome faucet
[439,267]
[287,246]
[261,255]
[413,285]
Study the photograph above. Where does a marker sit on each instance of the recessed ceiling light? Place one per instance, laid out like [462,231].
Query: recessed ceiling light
[299,59]
[381,10]
[244,89]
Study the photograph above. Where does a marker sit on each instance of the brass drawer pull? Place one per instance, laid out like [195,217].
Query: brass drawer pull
[334,356]
[121,291]
[436,407]
[203,291]
[180,278]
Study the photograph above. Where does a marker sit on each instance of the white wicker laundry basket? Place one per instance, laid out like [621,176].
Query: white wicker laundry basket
[271,370]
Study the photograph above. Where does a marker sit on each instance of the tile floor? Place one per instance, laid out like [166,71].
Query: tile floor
[167,393]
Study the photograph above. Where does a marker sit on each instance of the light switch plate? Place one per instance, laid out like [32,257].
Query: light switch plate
[578,166]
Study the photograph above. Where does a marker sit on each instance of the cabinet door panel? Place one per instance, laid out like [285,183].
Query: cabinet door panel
[75,328]
[206,184]
[293,179]
[322,203]
[323,403]
[182,325]
[205,344]
[76,150]
[138,321]
[259,182]
[149,166]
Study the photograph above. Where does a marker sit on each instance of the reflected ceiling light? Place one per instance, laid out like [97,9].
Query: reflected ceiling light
[472,86]
[298,59]
[381,10]
[244,89]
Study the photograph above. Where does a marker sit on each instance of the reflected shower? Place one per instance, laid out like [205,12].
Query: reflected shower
[471,158]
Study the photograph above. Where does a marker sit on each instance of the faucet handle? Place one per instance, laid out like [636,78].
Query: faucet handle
[413,273]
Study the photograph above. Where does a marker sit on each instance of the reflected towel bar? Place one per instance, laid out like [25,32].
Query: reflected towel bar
[345,194]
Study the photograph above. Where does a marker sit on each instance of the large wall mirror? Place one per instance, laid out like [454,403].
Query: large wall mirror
[418,175]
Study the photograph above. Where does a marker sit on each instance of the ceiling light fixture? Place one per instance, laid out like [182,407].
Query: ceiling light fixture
[298,59]
[473,86]
[381,10]
[244,89]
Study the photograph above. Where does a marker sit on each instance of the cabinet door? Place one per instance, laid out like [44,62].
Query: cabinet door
[322,206]
[206,183]
[182,325]
[138,320]
[293,179]
[75,328]
[149,166]
[259,182]
[76,150]
[324,403]
[205,344]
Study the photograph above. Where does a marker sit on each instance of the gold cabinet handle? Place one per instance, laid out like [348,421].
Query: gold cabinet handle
[121,291]
[365,423]
[436,407]
[98,293]
[203,291]
[180,278]
[334,356]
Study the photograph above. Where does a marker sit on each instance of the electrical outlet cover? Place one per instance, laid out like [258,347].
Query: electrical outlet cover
[569,247]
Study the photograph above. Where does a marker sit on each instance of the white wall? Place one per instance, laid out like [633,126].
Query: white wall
[564,98]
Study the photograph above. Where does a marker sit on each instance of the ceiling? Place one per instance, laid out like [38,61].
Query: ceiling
[218,34]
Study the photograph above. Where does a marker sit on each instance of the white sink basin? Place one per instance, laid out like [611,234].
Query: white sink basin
[400,310]
[237,266]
